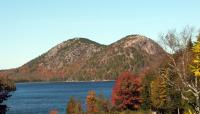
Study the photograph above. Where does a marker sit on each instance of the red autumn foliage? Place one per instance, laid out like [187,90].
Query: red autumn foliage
[126,92]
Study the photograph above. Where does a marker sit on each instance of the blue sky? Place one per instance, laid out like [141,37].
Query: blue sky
[29,28]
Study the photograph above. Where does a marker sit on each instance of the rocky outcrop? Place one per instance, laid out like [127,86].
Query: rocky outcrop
[83,59]
[133,53]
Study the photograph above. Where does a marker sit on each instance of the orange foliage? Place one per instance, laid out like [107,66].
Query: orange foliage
[91,101]
[74,107]
[53,112]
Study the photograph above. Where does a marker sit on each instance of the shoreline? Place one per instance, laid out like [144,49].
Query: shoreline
[64,81]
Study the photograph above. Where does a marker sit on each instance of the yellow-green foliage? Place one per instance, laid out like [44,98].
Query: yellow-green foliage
[196,62]
[159,95]
[189,111]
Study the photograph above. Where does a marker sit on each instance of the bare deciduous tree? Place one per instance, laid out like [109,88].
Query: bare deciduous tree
[179,60]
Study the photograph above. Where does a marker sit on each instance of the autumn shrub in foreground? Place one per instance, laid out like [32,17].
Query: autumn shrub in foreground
[53,112]
[126,93]
[74,107]
[91,101]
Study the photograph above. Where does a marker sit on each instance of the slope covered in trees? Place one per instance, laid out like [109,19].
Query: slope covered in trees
[83,59]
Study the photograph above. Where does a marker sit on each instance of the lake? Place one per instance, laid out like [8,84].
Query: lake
[40,98]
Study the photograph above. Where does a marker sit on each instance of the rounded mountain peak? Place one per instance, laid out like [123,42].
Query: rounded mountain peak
[135,38]
[77,43]
[139,42]
[81,40]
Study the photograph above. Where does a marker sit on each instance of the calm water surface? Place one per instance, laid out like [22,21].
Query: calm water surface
[40,98]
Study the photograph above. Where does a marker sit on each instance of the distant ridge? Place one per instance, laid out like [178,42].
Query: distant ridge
[82,59]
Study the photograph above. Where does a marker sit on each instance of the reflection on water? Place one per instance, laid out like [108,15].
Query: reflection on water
[3,109]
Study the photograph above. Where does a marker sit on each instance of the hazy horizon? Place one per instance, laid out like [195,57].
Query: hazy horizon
[30,28]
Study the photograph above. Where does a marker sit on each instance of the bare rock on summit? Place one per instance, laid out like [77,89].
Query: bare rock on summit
[134,53]
[83,59]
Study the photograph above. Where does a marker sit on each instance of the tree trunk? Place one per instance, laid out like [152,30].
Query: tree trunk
[153,112]
[197,105]
[178,110]
[197,108]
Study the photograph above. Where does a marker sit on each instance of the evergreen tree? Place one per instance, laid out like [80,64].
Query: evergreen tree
[189,44]
[198,37]
[176,102]
[159,94]
[146,91]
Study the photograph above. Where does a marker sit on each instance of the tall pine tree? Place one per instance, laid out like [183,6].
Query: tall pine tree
[198,37]
[159,94]
[146,91]
[190,44]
